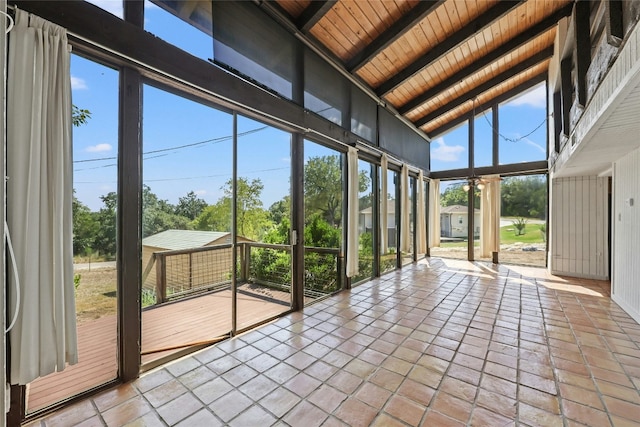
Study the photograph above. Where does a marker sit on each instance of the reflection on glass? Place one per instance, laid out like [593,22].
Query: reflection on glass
[365,222]
[454,220]
[95,150]
[186,224]
[323,195]
[263,218]
[523,222]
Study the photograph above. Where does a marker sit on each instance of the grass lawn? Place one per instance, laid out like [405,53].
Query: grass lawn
[96,294]
[532,234]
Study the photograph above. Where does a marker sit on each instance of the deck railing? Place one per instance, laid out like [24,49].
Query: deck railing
[173,274]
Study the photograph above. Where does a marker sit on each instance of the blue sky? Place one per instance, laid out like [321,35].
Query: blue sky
[187,146]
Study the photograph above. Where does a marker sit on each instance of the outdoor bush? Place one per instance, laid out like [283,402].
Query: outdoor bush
[519,225]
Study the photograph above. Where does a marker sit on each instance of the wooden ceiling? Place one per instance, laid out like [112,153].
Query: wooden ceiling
[434,61]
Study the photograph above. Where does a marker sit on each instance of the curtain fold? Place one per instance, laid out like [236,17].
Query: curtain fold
[39,198]
[421,226]
[434,213]
[353,210]
[405,210]
[384,205]
[490,216]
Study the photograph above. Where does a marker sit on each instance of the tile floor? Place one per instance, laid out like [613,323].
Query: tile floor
[440,343]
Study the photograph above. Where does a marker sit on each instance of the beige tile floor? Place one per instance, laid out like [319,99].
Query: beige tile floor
[440,343]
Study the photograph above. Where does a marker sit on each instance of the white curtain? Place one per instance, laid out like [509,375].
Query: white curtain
[490,216]
[421,226]
[384,205]
[39,196]
[353,211]
[405,210]
[434,213]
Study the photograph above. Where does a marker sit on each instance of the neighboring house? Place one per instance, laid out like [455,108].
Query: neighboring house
[192,269]
[454,220]
[365,222]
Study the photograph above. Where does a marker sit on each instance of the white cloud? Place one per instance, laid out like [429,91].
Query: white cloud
[444,152]
[536,98]
[286,160]
[200,192]
[99,148]
[78,84]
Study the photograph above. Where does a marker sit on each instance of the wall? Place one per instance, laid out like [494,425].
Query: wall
[625,287]
[578,229]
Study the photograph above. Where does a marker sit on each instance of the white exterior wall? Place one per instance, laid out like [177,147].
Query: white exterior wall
[578,229]
[625,286]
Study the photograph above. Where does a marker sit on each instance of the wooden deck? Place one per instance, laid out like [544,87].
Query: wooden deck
[188,321]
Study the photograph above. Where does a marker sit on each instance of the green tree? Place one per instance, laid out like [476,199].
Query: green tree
[252,220]
[85,227]
[159,215]
[524,196]
[105,238]
[455,195]
[280,210]
[190,206]
[323,187]
[79,116]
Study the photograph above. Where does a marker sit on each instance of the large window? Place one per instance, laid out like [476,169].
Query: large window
[454,220]
[389,256]
[523,224]
[186,223]
[95,153]
[323,196]
[483,139]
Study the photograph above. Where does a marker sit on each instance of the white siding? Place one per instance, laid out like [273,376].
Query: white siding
[578,229]
[625,286]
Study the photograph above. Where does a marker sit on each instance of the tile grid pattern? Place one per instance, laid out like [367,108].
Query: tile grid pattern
[439,343]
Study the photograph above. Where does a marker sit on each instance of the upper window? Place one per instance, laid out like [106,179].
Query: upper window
[523,127]
[112,6]
[451,151]
[189,30]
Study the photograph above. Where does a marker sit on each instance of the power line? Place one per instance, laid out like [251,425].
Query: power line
[178,147]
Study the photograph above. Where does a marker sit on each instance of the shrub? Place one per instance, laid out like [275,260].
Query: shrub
[519,224]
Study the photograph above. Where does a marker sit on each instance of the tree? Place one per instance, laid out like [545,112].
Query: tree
[159,215]
[85,227]
[105,239]
[190,206]
[252,219]
[323,187]
[524,196]
[79,116]
[280,210]
[455,195]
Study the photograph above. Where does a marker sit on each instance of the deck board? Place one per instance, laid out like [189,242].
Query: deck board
[188,321]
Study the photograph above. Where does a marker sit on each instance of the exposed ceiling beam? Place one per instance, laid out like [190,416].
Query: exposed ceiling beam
[313,13]
[393,33]
[498,99]
[468,31]
[502,51]
[489,84]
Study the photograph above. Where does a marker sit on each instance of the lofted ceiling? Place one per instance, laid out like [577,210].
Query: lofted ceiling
[434,61]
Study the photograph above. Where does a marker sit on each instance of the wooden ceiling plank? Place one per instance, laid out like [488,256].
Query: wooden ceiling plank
[313,13]
[393,33]
[510,73]
[504,50]
[451,42]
